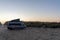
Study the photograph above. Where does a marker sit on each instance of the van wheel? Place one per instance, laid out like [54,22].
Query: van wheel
[10,28]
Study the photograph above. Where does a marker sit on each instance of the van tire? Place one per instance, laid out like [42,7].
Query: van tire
[10,28]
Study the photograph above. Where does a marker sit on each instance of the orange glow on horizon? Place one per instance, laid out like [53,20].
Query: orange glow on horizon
[42,20]
[29,19]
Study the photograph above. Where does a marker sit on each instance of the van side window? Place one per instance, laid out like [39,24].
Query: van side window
[15,24]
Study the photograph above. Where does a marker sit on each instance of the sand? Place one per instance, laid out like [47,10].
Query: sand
[30,33]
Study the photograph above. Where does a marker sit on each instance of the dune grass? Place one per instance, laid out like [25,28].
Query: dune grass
[43,24]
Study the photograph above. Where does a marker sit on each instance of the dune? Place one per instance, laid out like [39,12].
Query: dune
[30,33]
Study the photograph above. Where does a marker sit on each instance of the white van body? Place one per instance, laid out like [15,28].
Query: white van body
[16,25]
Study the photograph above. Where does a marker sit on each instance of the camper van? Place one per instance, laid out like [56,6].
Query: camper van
[15,25]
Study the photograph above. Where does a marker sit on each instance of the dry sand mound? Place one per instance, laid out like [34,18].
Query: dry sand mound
[30,34]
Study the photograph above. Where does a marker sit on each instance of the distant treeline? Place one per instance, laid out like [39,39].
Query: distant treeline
[43,24]
[0,23]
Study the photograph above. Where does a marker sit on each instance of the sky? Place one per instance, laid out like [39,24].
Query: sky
[30,10]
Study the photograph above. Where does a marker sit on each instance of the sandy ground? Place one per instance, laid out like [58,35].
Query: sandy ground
[30,34]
